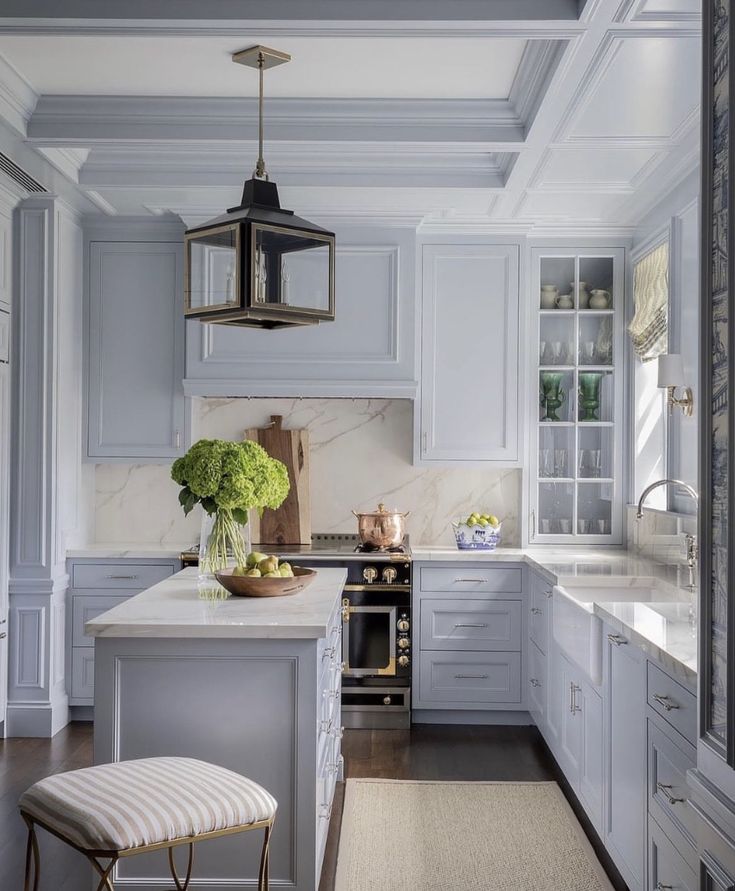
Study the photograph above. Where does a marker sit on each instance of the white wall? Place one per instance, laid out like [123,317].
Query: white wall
[663,446]
[360,455]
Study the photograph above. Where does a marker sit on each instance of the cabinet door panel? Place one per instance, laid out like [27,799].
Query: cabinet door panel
[136,329]
[470,371]
[570,737]
[470,678]
[471,625]
[625,736]
[591,758]
[537,683]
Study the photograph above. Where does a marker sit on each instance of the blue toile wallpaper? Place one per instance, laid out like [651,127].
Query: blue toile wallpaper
[719,314]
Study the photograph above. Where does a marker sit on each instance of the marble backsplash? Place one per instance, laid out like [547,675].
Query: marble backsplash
[360,454]
[660,535]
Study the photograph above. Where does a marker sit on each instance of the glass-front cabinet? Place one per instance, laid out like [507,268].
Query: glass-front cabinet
[577,414]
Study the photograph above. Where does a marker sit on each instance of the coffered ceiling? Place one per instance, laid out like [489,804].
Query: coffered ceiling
[531,113]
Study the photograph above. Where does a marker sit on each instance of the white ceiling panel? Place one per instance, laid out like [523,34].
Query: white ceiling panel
[442,67]
[667,10]
[568,206]
[649,89]
[598,166]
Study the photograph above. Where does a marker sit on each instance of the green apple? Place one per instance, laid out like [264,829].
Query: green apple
[482,522]
[493,520]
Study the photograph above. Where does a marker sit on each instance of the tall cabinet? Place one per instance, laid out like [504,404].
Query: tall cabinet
[577,391]
[6,230]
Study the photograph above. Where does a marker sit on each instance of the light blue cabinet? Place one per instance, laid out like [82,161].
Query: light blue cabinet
[136,408]
[470,372]
[368,351]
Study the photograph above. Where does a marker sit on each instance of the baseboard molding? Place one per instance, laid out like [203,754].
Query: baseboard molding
[446,716]
[42,719]
[81,713]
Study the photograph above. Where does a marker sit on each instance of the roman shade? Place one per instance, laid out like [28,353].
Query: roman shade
[649,329]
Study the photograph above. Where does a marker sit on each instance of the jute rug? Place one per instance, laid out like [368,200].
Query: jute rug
[463,837]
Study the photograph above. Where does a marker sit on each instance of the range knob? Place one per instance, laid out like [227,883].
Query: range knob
[370,573]
[402,624]
[389,574]
[403,660]
[403,643]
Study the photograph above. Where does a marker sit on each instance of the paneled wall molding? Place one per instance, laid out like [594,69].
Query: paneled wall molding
[48,242]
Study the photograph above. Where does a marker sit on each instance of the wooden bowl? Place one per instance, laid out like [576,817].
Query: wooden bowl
[252,586]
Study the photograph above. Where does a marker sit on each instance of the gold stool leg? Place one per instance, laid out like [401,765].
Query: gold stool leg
[263,883]
[31,851]
[174,874]
[105,873]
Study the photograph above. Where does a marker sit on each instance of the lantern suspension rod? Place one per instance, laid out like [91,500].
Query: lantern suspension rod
[260,171]
[260,57]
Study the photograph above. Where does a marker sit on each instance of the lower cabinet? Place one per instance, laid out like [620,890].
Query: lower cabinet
[667,869]
[470,633]
[624,829]
[98,585]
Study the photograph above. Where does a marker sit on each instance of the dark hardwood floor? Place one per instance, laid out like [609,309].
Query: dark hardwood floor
[425,752]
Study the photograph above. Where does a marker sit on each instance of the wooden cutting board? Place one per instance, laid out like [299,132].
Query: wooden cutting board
[291,523]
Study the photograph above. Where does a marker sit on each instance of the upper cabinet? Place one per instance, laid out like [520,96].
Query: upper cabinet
[470,373]
[136,409]
[575,463]
[368,351]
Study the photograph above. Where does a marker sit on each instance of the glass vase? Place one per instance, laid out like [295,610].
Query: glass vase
[589,395]
[223,542]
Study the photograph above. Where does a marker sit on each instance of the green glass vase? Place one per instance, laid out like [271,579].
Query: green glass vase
[552,395]
[589,395]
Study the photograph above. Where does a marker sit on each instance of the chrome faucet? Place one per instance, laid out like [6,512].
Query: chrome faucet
[691,540]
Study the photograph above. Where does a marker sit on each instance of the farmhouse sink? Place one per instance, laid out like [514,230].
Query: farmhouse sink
[577,629]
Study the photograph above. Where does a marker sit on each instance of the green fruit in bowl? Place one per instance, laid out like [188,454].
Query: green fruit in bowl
[272,575]
[482,522]
[253,573]
[239,570]
[493,520]
[269,564]
[285,571]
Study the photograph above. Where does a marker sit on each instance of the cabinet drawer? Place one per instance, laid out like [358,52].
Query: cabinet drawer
[82,673]
[472,579]
[676,705]
[470,677]
[133,576]
[84,609]
[4,337]
[666,867]
[471,625]
[537,684]
[667,785]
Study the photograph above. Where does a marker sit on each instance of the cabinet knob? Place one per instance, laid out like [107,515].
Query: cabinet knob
[535,682]
[536,611]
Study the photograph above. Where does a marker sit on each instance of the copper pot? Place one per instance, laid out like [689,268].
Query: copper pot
[381,528]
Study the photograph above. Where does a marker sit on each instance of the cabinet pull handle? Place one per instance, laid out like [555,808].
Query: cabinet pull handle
[535,682]
[617,639]
[177,439]
[475,581]
[468,677]
[573,690]
[661,887]
[665,702]
[424,440]
[536,611]
[130,577]
[470,625]
[549,593]
[663,788]
[3,634]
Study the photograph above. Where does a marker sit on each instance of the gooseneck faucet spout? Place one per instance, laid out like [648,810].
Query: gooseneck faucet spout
[647,491]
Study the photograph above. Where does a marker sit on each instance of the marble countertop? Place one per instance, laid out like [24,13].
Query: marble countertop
[176,608]
[129,550]
[664,628]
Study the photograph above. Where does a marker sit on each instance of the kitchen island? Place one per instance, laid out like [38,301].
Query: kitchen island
[252,684]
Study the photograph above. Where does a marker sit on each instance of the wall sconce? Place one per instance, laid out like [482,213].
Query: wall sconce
[671,378]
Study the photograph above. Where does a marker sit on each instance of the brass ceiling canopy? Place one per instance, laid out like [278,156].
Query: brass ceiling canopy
[258,265]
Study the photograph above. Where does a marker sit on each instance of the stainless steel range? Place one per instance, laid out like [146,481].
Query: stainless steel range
[376,625]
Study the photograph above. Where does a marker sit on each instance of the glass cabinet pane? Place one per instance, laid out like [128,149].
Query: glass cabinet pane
[596,283]
[594,508]
[596,340]
[556,452]
[557,283]
[595,453]
[595,396]
[556,343]
[556,508]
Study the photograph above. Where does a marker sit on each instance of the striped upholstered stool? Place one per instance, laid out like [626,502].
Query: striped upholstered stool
[131,807]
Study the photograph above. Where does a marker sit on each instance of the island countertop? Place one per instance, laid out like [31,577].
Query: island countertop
[176,608]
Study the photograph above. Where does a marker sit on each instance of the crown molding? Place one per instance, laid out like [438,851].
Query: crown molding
[539,63]
[85,120]
[17,97]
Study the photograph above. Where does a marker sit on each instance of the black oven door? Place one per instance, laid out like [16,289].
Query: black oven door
[368,640]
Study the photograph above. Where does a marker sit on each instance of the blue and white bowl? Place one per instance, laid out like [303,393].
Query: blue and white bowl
[476,538]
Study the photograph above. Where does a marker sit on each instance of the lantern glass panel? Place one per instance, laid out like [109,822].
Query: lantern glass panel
[292,268]
[213,269]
